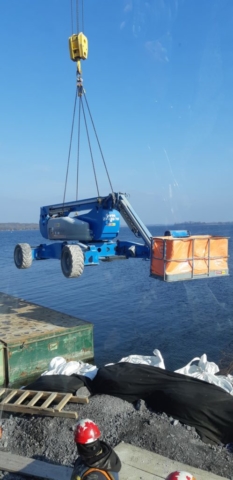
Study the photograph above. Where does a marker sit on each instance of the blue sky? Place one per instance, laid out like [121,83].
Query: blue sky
[158,80]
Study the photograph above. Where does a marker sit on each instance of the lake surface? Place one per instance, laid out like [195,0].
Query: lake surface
[131,312]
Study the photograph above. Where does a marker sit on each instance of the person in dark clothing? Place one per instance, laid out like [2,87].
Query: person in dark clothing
[96,460]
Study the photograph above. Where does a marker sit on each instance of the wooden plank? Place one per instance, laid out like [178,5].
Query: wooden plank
[33,468]
[49,400]
[9,396]
[2,391]
[151,464]
[63,402]
[133,473]
[73,399]
[80,399]
[22,397]
[35,399]
[161,468]
[32,409]
[38,411]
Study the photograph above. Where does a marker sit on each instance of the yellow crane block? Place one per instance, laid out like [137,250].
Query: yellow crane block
[78,45]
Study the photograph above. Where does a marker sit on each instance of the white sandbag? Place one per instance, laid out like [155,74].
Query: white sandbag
[49,372]
[59,366]
[88,370]
[230,379]
[160,360]
[80,368]
[68,368]
[219,380]
[155,361]
[205,371]
[56,362]
[203,365]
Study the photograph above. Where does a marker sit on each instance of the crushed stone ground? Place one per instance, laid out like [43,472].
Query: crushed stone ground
[51,438]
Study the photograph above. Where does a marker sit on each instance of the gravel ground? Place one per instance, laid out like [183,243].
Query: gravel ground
[51,439]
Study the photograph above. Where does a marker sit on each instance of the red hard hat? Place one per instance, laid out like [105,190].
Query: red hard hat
[180,476]
[86,431]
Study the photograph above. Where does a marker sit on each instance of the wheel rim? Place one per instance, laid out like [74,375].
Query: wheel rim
[66,262]
[18,256]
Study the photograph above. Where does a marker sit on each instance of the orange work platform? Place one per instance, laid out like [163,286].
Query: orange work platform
[195,257]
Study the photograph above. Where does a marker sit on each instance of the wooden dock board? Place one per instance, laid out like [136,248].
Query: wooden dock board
[141,464]
[137,464]
[30,467]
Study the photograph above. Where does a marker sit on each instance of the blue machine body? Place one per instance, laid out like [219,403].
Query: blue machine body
[94,224]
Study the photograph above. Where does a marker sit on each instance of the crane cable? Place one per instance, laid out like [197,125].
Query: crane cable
[79,130]
[71,12]
[88,137]
[70,144]
[79,93]
[102,155]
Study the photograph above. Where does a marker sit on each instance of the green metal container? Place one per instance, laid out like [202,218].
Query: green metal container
[33,335]
[2,364]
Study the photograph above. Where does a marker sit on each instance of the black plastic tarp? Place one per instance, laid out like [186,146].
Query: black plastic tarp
[59,383]
[194,402]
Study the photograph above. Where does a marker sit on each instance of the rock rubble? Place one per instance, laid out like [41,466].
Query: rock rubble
[51,438]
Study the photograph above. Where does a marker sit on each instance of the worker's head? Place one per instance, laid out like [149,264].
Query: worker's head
[178,475]
[86,437]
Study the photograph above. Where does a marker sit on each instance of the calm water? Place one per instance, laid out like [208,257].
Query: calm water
[131,312]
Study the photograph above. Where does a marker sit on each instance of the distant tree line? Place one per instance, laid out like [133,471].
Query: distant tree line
[18,226]
[203,223]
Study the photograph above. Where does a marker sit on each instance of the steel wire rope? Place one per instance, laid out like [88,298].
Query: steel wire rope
[72,20]
[82,17]
[92,159]
[79,128]
[71,137]
[77,16]
[110,183]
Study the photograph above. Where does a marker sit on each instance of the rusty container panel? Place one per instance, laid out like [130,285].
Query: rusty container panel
[34,335]
[28,360]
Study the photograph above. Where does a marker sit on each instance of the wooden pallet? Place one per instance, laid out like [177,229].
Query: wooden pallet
[25,401]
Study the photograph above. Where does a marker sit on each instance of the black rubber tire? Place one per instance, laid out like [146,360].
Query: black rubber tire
[23,255]
[72,261]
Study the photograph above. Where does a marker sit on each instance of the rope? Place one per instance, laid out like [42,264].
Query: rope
[93,165]
[110,183]
[82,17]
[77,16]
[79,122]
[71,136]
[72,21]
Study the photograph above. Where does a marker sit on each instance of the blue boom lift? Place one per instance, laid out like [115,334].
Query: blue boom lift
[93,234]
